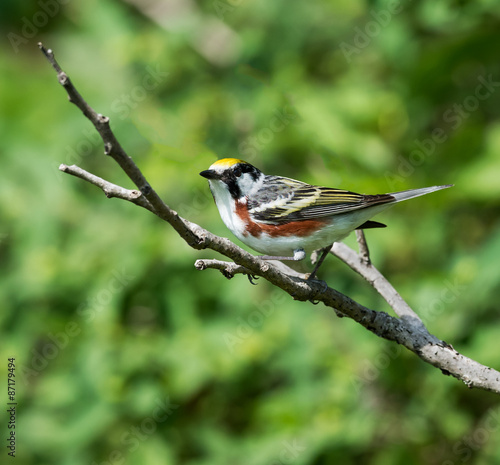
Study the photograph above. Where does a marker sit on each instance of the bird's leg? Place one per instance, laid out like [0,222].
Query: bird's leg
[298,254]
[320,261]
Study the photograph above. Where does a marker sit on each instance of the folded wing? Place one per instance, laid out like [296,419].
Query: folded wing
[303,201]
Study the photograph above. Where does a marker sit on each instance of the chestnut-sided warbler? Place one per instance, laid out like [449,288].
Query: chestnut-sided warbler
[285,218]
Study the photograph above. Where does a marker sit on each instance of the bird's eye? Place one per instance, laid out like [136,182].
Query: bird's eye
[237,171]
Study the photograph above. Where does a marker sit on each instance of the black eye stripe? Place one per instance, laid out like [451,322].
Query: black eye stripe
[231,177]
[233,188]
[246,168]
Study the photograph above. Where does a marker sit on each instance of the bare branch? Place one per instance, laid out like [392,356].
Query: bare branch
[408,330]
[376,279]
[109,189]
[228,269]
[113,148]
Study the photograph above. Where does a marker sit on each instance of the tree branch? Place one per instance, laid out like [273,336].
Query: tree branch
[231,269]
[228,269]
[113,148]
[109,189]
[359,264]
[408,330]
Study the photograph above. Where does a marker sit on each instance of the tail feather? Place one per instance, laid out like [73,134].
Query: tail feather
[409,194]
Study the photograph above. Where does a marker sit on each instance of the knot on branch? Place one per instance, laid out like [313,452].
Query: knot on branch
[108,147]
[200,265]
[145,189]
[62,77]
[102,119]
[198,240]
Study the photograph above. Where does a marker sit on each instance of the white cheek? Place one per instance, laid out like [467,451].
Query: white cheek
[226,206]
[248,185]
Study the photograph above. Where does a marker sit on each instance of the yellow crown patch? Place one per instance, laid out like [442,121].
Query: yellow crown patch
[226,163]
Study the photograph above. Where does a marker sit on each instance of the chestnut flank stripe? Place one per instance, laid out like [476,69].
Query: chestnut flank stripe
[301,228]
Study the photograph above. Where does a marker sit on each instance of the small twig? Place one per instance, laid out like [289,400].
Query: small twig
[109,189]
[232,269]
[364,253]
[228,269]
[73,94]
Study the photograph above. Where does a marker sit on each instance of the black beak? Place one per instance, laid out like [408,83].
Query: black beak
[209,174]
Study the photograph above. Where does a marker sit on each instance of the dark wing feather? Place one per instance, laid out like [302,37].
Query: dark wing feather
[286,200]
[371,224]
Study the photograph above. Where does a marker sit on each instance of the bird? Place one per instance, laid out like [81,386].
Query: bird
[286,219]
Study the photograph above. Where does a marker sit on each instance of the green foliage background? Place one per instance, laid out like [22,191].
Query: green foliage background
[125,353]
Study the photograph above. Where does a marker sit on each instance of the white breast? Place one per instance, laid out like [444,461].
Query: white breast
[226,206]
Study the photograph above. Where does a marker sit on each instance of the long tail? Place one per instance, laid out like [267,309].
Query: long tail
[409,194]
